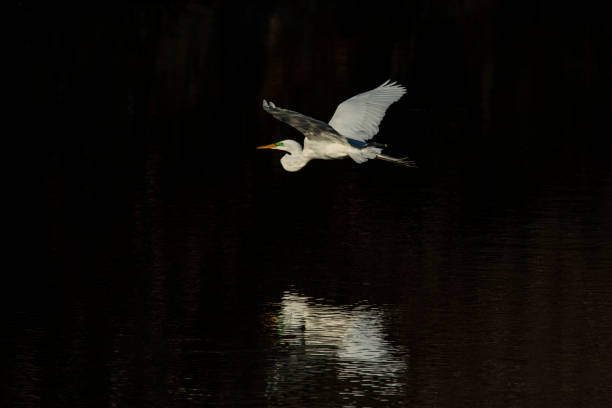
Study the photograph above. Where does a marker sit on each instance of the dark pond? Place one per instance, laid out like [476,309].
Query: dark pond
[168,263]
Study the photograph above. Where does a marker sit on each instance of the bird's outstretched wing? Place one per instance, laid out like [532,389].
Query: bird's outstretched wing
[358,117]
[311,128]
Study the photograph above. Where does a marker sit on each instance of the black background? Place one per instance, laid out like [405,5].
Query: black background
[136,180]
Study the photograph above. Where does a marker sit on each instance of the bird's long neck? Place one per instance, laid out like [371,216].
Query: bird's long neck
[294,159]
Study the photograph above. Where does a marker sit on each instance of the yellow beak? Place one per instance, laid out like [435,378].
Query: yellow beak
[270,146]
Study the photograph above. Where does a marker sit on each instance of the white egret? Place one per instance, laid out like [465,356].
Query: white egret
[355,122]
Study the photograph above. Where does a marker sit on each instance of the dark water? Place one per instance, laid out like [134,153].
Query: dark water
[167,263]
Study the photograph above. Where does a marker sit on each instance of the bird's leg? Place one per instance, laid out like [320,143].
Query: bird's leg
[379,145]
[404,161]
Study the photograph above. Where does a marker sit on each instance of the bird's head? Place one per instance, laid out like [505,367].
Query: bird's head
[294,159]
[285,145]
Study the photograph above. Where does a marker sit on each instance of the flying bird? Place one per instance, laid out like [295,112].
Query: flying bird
[355,122]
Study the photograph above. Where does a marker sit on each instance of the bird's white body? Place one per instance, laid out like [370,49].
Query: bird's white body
[355,119]
[314,149]
[298,157]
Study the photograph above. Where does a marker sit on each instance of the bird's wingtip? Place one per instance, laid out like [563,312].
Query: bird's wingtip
[392,84]
[268,105]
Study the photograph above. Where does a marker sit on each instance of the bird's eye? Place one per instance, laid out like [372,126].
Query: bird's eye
[279,143]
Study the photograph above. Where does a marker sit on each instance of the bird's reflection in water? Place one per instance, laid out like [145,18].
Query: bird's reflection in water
[324,348]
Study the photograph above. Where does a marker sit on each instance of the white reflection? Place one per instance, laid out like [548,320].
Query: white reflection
[343,346]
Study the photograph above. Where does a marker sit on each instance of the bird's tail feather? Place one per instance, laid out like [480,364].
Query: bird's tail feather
[403,161]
